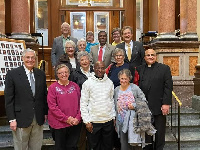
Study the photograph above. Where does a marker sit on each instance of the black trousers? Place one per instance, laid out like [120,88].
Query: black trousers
[160,125]
[67,138]
[102,136]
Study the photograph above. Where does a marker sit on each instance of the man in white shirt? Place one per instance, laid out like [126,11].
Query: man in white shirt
[97,109]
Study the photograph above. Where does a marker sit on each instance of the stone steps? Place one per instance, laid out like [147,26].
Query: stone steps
[190,131]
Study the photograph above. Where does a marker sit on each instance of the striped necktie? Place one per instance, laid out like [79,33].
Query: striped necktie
[32,83]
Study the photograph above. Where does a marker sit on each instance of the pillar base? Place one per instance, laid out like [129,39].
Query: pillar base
[22,36]
[167,37]
[189,37]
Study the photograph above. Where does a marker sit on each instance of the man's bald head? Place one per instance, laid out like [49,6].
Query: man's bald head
[99,69]
[150,56]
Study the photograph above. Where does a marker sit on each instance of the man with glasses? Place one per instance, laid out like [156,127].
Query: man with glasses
[155,80]
[134,51]
[26,103]
[58,48]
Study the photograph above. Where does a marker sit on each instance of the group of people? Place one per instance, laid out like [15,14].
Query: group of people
[115,96]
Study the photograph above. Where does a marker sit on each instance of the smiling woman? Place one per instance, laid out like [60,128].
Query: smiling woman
[116,67]
[64,110]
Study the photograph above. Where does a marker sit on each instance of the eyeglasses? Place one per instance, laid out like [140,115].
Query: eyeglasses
[148,55]
[29,58]
[68,47]
[119,55]
[62,73]
[116,33]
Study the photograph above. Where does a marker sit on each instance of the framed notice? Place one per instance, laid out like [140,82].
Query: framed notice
[10,58]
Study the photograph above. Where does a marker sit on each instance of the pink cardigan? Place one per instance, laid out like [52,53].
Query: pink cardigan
[63,102]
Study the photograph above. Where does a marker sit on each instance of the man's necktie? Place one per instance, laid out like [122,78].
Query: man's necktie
[100,54]
[129,52]
[32,83]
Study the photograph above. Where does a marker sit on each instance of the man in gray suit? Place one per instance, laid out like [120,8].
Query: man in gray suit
[103,51]
[58,48]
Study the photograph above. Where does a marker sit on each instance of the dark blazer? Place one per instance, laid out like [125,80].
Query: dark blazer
[160,87]
[58,49]
[19,100]
[108,55]
[137,56]
[78,77]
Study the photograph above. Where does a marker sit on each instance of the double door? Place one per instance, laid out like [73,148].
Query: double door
[95,21]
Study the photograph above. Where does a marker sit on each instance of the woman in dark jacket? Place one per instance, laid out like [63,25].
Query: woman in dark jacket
[83,69]
[116,67]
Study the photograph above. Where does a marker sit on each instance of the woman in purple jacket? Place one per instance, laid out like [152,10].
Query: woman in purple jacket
[64,110]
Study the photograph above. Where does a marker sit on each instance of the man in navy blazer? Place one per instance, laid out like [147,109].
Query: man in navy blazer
[58,48]
[137,50]
[26,103]
[155,80]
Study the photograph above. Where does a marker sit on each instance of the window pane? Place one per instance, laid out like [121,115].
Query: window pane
[41,20]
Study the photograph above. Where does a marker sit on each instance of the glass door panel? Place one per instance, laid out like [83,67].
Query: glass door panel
[78,24]
[101,23]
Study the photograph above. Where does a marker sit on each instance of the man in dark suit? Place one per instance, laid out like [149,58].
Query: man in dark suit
[26,103]
[134,50]
[58,48]
[155,80]
[103,51]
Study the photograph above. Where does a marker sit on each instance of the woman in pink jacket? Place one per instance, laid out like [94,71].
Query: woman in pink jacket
[64,110]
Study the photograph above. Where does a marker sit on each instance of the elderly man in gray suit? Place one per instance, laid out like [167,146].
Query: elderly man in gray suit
[58,48]
[103,51]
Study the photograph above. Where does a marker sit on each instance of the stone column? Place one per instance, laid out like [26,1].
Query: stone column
[20,20]
[166,20]
[188,18]
[20,16]
[183,16]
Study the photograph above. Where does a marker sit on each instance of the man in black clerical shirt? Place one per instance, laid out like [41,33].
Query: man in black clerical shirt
[156,82]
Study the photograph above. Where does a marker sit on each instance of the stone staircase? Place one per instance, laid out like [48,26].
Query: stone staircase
[190,133]
[6,141]
[190,130]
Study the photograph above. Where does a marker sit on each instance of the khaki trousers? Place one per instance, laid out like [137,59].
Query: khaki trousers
[28,138]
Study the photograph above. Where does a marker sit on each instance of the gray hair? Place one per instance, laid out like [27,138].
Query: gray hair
[81,40]
[65,23]
[71,43]
[118,50]
[127,72]
[62,66]
[83,53]
[89,33]
[28,50]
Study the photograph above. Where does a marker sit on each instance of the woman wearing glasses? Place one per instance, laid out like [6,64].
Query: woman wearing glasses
[69,58]
[64,110]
